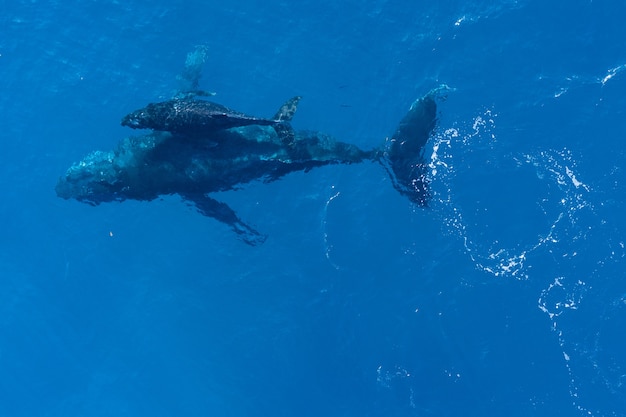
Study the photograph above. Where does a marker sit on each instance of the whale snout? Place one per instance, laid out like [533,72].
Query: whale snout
[132,120]
[92,180]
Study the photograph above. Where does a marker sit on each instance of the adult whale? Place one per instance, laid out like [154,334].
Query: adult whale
[163,163]
[197,148]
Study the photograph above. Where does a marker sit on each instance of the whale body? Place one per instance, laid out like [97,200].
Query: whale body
[166,162]
[190,116]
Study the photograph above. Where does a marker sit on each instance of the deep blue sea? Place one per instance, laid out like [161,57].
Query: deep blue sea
[506,296]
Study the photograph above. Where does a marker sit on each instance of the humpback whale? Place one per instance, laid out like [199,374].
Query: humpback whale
[190,116]
[188,155]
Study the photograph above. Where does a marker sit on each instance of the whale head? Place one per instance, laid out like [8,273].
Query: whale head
[93,180]
[154,116]
[139,119]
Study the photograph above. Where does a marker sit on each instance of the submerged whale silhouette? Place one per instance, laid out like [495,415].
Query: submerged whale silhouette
[163,163]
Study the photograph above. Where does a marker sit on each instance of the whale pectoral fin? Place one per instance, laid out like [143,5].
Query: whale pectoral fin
[221,212]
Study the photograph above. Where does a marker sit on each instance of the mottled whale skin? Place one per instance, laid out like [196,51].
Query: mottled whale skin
[167,162]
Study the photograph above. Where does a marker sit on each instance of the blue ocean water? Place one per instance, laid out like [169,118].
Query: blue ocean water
[505,297]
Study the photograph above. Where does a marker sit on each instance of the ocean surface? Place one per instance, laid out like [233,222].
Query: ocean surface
[506,296]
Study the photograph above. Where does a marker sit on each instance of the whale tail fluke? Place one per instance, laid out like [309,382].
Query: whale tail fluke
[287,110]
[403,152]
[282,118]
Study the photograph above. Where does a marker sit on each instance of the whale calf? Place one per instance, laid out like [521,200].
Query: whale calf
[190,116]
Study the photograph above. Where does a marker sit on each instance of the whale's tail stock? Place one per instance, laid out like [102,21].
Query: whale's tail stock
[403,152]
